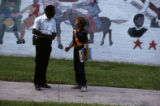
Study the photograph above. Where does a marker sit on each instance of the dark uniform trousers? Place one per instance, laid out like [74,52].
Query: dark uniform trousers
[41,60]
[80,76]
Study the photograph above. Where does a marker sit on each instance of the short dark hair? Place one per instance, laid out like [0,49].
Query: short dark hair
[82,21]
[137,16]
[49,8]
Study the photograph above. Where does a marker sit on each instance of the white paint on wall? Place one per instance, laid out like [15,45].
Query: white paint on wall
[121,50]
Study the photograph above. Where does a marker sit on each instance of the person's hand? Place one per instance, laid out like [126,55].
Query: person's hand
[67,49]
[86,57]
[53,36]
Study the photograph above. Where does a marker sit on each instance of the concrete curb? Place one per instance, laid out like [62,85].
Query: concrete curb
[22,91]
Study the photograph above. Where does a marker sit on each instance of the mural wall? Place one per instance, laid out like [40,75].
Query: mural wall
[118,30]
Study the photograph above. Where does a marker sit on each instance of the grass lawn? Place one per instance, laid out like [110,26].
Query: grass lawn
[21,103]
[110,74]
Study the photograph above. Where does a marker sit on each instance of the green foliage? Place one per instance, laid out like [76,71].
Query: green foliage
[61,71]
[21,103]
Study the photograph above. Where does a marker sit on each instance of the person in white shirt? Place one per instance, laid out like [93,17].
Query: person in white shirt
[45,29]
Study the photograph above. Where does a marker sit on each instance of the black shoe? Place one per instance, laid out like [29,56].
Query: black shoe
[19,42]
[46,86]
[23,41]
[37,87]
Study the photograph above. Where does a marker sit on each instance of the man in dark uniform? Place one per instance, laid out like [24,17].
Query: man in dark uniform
[45,29]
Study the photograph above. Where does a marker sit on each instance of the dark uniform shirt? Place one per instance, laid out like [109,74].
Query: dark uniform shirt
[80,38]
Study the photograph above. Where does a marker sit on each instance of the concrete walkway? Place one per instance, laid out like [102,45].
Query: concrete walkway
[20,91]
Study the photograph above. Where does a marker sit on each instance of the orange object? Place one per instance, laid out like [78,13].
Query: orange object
[77,41]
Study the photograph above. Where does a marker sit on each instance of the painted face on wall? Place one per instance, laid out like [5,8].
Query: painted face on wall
[139,22]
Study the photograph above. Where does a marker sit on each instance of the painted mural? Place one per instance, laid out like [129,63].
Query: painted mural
[119,30]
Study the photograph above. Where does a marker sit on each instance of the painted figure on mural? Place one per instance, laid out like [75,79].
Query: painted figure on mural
[93,11]
[58,19]
[147,4]
[33,13]
[142,9]
[138,30]
[9,16]
[3,3]
[155,22]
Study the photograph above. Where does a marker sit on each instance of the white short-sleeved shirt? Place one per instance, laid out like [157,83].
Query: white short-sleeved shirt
[44,25]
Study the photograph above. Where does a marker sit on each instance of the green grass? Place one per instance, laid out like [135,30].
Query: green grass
[109,74]
[22,103]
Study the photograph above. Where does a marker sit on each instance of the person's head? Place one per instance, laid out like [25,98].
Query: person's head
[49,11]
[80,22]
[158,15]
[12,3]
[35,1]
[138,20]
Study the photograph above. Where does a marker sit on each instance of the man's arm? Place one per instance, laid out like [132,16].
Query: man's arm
[38,33]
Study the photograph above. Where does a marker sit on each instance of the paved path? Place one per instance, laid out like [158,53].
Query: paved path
[21,91]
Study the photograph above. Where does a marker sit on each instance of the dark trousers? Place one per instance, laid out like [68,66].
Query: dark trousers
[41,60]
[79,69]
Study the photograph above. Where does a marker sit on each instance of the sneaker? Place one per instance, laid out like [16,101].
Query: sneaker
[84,89]
[76,87]
[37,87]
[46,86]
